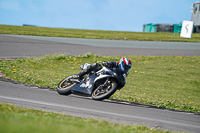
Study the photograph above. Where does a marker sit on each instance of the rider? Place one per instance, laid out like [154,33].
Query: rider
[124,65]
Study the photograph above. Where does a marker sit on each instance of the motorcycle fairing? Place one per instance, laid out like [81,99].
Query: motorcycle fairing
[106,72]
[86,86]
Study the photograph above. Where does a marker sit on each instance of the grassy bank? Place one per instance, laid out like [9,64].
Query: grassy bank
[20,120]
[164,81]
[95,34]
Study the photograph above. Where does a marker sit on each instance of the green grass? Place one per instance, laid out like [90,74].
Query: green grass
[21,120]
[164,81]
[95,34]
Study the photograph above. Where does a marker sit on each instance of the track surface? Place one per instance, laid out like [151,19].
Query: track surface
[118,112]
[113,111]
[14,46]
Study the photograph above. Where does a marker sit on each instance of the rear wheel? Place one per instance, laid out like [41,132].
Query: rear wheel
[104,91]
[65,86]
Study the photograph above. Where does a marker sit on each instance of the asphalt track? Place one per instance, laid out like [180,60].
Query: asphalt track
[16,46]
[114,111]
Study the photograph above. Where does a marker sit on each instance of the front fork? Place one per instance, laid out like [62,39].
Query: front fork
[103,88]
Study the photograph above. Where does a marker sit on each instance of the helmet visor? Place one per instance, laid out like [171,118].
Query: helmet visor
[126,68]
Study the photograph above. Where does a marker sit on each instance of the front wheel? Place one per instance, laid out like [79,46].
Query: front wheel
[104,91]
[65,86]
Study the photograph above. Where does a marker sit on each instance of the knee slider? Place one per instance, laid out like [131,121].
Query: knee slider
[96,66]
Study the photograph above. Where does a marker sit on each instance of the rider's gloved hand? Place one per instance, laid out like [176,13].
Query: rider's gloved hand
[124,76]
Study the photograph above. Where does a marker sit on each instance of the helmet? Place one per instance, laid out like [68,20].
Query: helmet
[125,64]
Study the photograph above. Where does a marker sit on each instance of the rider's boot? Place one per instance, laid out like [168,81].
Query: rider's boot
[81,74]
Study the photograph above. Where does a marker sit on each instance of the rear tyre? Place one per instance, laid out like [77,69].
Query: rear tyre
[104,93]
[65,86]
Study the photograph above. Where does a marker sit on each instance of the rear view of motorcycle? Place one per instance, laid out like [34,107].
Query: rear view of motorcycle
[99,84]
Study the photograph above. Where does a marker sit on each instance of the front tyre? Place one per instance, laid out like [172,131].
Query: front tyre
[65,86]
[102,92]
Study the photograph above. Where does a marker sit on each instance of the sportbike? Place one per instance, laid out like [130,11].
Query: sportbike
[99,85]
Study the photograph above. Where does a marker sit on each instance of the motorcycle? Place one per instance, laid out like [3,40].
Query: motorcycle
[99,85]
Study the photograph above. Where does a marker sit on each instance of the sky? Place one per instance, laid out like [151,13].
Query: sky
[114,15]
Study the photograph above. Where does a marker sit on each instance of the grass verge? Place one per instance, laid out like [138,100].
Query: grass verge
[96,34]
[15,119]
[164,81]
